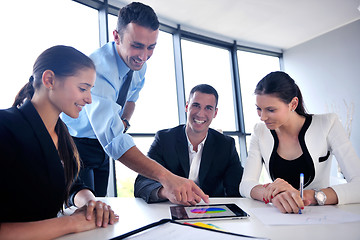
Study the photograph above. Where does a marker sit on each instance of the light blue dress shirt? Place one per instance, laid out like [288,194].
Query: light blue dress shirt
[102,118]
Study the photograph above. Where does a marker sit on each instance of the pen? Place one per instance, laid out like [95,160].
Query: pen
[301,188]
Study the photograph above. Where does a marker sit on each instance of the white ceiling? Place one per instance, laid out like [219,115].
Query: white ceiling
[269,24]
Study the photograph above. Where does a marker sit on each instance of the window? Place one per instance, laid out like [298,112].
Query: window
[252,68]
[156,107]
[112,25]
[211,65]
[125,177]
[36,26]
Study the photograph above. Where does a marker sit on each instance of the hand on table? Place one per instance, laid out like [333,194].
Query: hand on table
[179,190]
[99,213]
[283,196]
[274,188]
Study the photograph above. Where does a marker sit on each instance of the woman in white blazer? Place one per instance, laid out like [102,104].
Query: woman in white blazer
[291,141]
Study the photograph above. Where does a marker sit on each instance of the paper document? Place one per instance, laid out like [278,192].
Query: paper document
[270,215]
[179,231]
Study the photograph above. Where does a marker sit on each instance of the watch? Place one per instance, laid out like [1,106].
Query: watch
[127,124]
[320,197]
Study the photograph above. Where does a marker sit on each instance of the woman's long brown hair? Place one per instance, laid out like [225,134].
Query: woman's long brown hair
[64,61]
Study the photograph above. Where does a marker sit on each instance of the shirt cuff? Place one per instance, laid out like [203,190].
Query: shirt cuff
[119,146]
[154,196]
[72,196]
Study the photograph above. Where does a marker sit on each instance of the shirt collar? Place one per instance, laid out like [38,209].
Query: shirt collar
[122,67]
[191,147]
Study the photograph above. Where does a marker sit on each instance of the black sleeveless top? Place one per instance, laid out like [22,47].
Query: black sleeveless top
[290,170]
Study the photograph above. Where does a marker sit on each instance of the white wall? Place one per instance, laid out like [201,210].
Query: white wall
[327,70]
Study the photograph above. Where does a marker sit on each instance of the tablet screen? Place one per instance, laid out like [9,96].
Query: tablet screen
[207,212]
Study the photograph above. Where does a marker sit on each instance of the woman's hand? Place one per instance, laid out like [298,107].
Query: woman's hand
[283,196]
[80,222]
[274,188]
[102,212]
[288,201]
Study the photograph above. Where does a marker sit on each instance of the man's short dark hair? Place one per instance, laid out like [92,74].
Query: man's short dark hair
[138,13]
[205,88]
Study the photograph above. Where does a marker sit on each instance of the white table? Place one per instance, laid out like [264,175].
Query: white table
[135,213]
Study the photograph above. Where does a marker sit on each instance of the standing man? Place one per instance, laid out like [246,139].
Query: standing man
[195,151]
[99,132]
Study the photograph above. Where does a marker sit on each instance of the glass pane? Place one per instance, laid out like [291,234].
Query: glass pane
[210,65]
[237,144]
[159,91]
[252,68]
[157,107]
[125,177]
[112,23]
[30,27]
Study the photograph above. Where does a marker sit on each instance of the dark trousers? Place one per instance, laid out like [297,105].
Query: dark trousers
[94,170]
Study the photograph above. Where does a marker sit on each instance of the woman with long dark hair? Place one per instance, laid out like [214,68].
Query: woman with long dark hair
[290,142]
[39,162]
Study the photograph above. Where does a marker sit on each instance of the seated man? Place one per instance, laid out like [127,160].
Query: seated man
[196,152]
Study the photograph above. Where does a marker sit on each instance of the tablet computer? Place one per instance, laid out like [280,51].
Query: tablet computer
[207,212]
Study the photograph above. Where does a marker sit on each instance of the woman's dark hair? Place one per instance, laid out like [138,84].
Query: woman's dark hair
[138,13]
[281,85]
[64,61]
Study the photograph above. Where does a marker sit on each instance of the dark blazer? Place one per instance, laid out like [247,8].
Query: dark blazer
[31,174]
[220,170]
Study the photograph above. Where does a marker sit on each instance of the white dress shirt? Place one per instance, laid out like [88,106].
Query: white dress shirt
[195,159]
